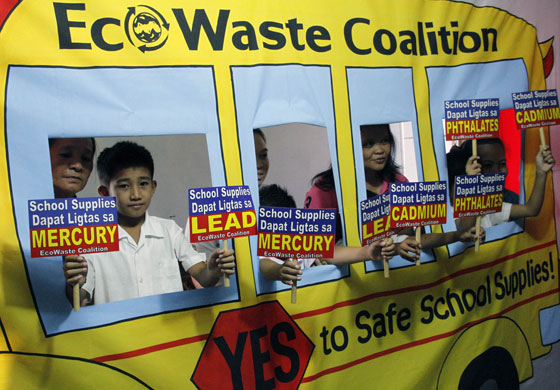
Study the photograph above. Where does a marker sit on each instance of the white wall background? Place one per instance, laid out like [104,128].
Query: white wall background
[296,153]
[180,162]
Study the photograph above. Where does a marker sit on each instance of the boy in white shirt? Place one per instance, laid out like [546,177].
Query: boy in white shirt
[150,248]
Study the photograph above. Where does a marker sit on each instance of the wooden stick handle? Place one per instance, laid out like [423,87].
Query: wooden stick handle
[294,285]
[386,268]
[419,241]
[474,144]
[76,296]
[226,276]
[543,140]
[477,242]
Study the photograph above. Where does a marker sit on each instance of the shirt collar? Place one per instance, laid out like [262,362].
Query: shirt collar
[149,229]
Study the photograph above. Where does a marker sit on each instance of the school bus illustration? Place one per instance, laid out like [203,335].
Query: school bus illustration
[213,73]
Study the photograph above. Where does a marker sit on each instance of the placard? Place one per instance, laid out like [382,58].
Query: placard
[471,119]
[296,233]
[219,213]
[477,195]
[73,226]
[536,108]
[418,204]
[375,218]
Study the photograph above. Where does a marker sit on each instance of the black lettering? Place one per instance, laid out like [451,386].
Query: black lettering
[443,35]
[402,319]
[466,294]
[339,347]
[247,34]
[97,34]
[499,285]
[432,41]
[455,36]
[522,281]
[486,33]
[294,27]
[317,33]
[421,42]
[445,314]
[475,38]
[514,280]
[365,327]
[427,308]
[537,273]
[259,359]
[277,37]
[284,350]
[233,360]
[378,42]
[481,295]
[64,25]
[348,35]
[450,296]
[390,314]
[545,269]
[408,46]
[192,36]
[324,333]
[379,327]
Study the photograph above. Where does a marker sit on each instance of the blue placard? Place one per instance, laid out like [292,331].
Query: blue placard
[471,119]
[375,213]
[214,200]
[53,213]
[536,108]
[219,213]
[289,232]
[418,204]
[72,226]
[477,195]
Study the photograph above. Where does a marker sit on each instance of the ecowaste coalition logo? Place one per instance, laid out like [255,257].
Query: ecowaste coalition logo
[146,28]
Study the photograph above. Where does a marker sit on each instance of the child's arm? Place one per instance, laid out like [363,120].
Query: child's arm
[410,249]
[377,250]
[287,272]
[220,262]
[544,163]
[433,240]
[75,271]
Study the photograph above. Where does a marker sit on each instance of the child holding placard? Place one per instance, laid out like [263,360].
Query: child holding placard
[149,247]
[289,272]
[491,159]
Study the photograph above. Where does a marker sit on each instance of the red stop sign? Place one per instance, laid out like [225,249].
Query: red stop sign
[258,347]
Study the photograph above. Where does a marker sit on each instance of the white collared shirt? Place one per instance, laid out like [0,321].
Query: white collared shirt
[140,269]
[489,220]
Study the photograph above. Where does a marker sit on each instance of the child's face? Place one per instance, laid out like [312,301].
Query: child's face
[133,188]
[376,148]
[71,165]
[261,154]
[492,158]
